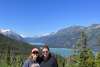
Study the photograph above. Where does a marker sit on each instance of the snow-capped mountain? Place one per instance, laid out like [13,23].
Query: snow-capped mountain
[9,33]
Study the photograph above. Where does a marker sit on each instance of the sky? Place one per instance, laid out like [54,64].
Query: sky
[38,17]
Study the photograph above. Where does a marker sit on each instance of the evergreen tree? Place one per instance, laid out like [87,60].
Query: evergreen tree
[86,56]
[97,61]
[8,57]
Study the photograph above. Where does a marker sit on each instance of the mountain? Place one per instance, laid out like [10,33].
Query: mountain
[61,38]
[9,33]
[68,37]
[14,45]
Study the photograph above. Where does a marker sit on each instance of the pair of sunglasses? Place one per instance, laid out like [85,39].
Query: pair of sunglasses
[45,51]
[35,52]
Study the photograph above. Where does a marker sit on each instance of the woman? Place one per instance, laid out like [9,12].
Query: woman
[48,59]
[33,60]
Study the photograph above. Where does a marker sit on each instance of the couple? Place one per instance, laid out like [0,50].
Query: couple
[46,60]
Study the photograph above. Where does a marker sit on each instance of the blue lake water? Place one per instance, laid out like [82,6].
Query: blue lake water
[62,51]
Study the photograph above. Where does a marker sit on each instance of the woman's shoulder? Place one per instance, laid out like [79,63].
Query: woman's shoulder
[27,61]
[53,55]
[53,58]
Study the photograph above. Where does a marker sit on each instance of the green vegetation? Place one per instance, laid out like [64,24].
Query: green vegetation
[13,53]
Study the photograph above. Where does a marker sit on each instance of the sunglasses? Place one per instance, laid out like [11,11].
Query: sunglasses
[35,52]
[45,51]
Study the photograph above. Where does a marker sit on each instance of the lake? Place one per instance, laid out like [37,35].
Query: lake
[62,51]
[65,52]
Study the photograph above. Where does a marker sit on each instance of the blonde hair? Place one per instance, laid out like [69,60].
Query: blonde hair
[30,56]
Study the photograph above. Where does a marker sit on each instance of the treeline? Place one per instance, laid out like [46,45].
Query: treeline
[83,57]
[12,52]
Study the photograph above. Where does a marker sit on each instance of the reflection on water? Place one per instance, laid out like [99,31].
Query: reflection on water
[62,51]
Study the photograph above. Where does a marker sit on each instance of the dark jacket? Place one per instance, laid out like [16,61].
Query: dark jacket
[50,62]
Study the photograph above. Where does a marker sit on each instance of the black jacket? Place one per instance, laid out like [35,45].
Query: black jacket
[50,62]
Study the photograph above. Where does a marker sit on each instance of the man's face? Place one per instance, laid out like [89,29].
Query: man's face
[45,52]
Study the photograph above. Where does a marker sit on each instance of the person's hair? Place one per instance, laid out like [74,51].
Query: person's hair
[30,56]
[45,46]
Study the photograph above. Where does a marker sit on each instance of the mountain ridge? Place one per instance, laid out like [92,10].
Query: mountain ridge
[67,37]
[11,34]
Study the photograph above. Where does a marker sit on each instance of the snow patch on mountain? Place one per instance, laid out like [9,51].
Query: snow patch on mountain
[9,33]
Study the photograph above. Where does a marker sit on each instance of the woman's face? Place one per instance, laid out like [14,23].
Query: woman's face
[45,52]
[35,53]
